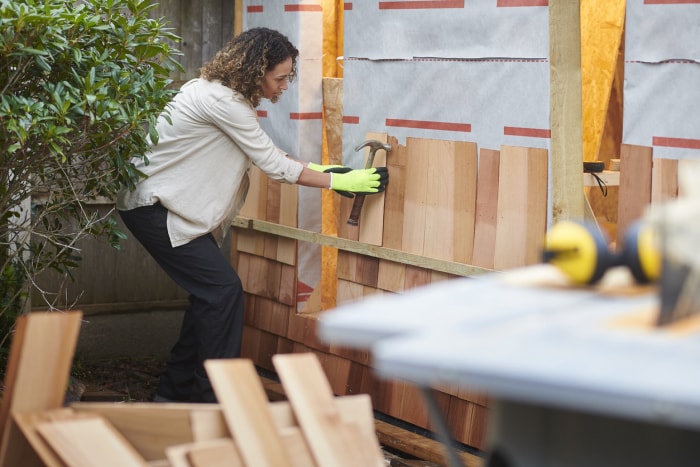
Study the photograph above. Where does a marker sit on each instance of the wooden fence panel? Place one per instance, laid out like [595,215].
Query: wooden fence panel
[204,27]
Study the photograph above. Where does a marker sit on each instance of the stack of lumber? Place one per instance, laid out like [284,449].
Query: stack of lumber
[311,428]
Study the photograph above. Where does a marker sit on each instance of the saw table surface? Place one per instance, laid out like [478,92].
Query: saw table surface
[576,350]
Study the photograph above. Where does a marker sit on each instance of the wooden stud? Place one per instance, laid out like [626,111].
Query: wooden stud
[566,108]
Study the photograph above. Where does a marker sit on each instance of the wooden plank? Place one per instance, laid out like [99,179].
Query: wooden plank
[272,210]
[212,32]
[191,32]
[170,10]
[332,441]
[333,118]
[251,242]
[664,180]
[288,285]
[149,428]
[177,455]
[332,143]
[298,449]
[635,186]
[349,292]
[394,201]
[450,200]
[419,446]
[486,209]
[416,277]
[238,17]
[367,270]
[372,214]
[255,205]
[415,197]
[27,423]
[347,266]
[244,404]
[522,206]
[208,425]
[272,214]
[287,248]
[391,274]
[566,110]
[41,355]
[215,453]
[87,442]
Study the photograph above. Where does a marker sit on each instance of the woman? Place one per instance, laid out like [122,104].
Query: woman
[197,180]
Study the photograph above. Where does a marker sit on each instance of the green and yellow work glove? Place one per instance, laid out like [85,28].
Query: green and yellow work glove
[360,181]
[331,168]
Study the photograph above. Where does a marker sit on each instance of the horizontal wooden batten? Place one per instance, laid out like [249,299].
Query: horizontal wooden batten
[354,246]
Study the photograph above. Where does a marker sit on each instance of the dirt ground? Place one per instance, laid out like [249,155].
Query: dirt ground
[132,379]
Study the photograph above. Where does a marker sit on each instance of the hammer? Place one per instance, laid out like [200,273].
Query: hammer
[360,199]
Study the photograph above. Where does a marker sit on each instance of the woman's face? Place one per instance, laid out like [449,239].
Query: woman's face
[275,81]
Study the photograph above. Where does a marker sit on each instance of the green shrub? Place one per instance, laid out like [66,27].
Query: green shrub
[81,85]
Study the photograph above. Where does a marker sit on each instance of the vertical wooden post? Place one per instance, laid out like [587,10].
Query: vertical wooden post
[238,17]
[566,109]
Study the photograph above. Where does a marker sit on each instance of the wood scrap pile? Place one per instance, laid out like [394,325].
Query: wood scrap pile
[244,429]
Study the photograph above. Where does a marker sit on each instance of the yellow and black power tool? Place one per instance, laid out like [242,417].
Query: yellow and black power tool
[581,251]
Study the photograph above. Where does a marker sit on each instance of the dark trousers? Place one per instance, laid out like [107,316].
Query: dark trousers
[212,327]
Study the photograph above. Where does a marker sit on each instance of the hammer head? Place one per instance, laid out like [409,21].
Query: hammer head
[373,146]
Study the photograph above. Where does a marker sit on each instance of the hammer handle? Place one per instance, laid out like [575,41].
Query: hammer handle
[356,210]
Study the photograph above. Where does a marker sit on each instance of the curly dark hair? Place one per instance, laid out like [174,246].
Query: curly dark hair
[243,62]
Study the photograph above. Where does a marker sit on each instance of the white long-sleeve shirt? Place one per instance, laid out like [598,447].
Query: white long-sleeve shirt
[199,168]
